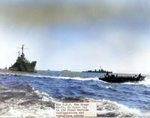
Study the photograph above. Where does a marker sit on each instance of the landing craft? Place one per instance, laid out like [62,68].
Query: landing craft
[121,79]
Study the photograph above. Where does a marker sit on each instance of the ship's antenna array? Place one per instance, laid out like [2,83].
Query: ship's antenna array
[22,48]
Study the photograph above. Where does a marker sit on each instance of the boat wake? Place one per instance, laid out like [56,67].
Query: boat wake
[24,101]
[146,81]
[63,77]
[22,96]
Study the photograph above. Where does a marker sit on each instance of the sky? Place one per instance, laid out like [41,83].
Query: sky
[77,35]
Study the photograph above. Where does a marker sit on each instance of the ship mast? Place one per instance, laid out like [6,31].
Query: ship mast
[22,48]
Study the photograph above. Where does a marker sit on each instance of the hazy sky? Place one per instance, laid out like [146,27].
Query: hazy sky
[77,35]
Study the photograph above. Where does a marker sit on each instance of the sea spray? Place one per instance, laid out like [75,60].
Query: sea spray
[108,108]
[33,93]
[16,102]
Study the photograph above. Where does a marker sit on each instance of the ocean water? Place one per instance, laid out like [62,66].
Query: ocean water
[34,95]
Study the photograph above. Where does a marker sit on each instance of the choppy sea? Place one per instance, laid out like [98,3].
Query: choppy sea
[34,95]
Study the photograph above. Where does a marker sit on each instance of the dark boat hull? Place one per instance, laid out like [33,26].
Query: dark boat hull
[122,79]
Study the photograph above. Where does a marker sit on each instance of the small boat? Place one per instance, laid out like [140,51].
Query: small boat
[120,79]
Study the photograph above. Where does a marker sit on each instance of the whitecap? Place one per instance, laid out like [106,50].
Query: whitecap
[108,108]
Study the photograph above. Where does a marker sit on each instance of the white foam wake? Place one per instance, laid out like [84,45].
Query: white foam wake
[61,77]
[22,103]
[108,108]
[146,81]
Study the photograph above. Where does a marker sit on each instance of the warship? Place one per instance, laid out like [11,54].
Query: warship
[22,64]
[98,71]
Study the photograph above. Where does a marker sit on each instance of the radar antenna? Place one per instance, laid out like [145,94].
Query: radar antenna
[22,49]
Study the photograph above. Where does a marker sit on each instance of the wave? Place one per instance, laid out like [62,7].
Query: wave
[146,81]
[63,77]
[20,102]
[107,108]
